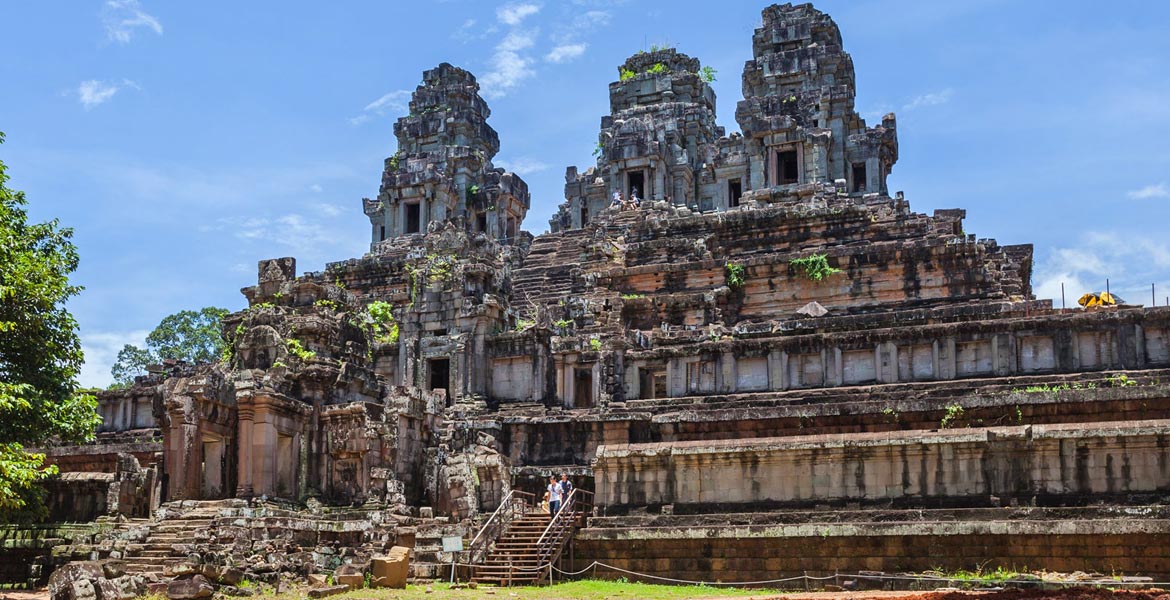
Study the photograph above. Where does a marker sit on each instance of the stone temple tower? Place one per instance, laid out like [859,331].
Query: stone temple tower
[797,115]
[443,168]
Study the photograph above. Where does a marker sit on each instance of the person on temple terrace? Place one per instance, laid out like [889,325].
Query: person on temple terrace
[554,495]
[566,488]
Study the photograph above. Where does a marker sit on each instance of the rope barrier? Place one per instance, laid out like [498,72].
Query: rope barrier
[921,578]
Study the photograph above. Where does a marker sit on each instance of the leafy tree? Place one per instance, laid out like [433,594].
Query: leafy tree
[40,353]
[188,335]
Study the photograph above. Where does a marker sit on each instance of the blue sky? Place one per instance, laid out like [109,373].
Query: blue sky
[184,141]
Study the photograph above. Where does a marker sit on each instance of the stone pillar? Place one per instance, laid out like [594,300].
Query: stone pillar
[244,456]
[263,454]
[725,381]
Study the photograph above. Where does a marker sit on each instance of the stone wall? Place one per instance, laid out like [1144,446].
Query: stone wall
[973,466]
[683,549]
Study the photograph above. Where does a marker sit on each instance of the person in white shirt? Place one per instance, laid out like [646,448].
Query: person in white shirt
[554,495]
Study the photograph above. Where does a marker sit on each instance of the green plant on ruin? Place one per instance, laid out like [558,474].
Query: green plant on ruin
[891,414]
[296,349]
[1019,414]
[595,344]
[472,192]
[632,296]
[394,160]
[563,323]
[627,74]
[708,74]
[657,69]
[326,303]
[598,149]
[522,324]
[734,273]
[385,327]
[279,365]
[1120,380]
[439,267]
[656,48]
[815,267]
[953,413]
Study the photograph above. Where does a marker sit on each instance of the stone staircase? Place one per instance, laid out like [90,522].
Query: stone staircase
[163,546]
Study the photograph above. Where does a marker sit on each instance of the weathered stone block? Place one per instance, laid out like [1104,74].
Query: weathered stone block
[391,571]
[196,586]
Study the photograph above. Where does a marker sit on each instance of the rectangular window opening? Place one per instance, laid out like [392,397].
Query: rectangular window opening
[440,373]
[583,388]
[382,233]
[789,166]
[481,222]
[734,191]
[636,185]
[413,218]
[858,177]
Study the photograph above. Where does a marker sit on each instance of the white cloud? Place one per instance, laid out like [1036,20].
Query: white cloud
[316,188]
[122,17]
[522,166]
[513,14]
[1158,190]
[101,350]
[329,210]
[565,52]
[509,65]
[93,92]
[291,230]
[395,101]
[1131,262]
[595,18]
[931,99]
[468,32]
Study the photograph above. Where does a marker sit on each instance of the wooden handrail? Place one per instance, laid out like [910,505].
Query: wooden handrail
[497,523]
[553,538]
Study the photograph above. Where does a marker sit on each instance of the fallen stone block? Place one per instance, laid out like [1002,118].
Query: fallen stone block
[189,589]
[354,581]
[391,571]
[328,591]
[62,580]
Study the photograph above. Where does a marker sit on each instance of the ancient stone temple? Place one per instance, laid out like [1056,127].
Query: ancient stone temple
[771,365]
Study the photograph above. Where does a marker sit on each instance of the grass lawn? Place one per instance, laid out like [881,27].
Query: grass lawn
[576,590]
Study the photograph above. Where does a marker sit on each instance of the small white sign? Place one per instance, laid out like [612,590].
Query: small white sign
[452,543]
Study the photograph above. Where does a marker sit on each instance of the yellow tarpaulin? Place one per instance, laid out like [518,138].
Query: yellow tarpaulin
[1099,299]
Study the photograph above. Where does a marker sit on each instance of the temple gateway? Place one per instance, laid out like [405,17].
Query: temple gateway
[766,365]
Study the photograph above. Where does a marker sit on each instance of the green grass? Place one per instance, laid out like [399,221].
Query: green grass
[591,589]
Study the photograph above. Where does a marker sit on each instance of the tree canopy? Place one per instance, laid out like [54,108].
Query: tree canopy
[40,352]
[192,336]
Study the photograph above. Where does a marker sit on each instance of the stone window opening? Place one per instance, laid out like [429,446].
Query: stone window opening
[652,383]
[734,192]
[583,388]
[413,218]
[440,374]
[286,464]
[382,233]
[858,173]
[511,228]
[635,180]
[481,224]
[584,215]
[788,167]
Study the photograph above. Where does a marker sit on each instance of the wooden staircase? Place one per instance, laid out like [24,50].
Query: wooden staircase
[514,560]
[526,540]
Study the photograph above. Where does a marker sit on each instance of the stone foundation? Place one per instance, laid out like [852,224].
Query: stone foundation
[1133,541]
